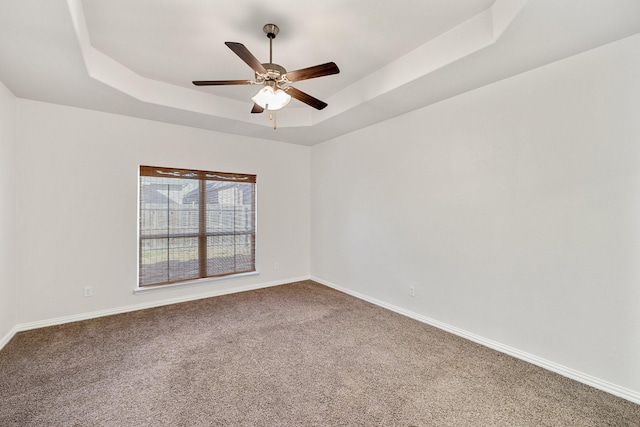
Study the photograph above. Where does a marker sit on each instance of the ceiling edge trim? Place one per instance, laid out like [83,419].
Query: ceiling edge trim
[106,70]
[465,39]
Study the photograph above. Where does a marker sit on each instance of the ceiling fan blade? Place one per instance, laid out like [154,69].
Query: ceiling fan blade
[305,97]
[313,72]
[256,109]
[244,54]
[222,82]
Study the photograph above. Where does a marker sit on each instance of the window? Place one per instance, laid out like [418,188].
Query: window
[195,224]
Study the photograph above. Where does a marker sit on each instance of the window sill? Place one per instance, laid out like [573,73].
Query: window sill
[189,283]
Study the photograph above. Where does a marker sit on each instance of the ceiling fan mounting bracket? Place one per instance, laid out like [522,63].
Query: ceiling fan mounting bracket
[271,30]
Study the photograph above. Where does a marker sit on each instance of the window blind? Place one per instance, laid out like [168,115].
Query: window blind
[194,224]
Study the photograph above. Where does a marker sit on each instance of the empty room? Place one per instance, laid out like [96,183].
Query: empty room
[320,213]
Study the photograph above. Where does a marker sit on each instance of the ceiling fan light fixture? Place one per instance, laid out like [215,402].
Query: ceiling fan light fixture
[271,99]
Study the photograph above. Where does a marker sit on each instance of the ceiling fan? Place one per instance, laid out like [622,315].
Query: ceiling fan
[276,93]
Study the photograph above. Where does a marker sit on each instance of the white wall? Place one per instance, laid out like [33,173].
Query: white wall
[77,206]
[513,209]
[7,211]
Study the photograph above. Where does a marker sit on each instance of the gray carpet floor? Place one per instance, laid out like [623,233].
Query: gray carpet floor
[292,355]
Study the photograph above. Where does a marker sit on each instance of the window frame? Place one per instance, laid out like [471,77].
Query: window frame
[204,231]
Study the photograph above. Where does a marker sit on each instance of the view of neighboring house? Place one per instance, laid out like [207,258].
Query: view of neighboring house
[170,223]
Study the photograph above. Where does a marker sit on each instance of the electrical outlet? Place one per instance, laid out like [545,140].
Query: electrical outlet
[276,266]
[412,291]
[88,291]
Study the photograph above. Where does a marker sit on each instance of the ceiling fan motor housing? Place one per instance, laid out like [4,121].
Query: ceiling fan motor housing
[274,71]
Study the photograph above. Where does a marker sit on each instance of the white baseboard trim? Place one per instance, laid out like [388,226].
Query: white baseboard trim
[134,307]
[4,340]
[589,380]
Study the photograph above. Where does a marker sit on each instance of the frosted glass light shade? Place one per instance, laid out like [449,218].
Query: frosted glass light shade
[270,99]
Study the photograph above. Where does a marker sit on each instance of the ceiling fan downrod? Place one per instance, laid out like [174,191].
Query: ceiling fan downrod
[272,31]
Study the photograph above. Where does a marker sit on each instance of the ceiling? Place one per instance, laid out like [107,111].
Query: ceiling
[138,58]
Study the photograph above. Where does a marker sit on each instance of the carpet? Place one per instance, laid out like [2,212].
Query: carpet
[299,354]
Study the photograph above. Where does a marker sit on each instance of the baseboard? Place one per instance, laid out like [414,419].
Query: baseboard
[134,307]
[4,340]
[589,380]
